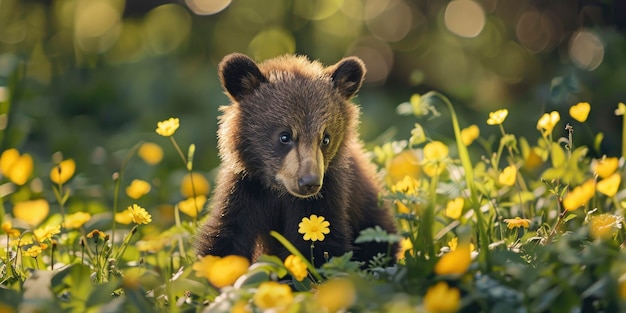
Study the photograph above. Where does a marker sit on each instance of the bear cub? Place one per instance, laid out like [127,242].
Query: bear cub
[289,148]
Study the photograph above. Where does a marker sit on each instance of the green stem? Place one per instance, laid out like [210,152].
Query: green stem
[118,184]
[469,179]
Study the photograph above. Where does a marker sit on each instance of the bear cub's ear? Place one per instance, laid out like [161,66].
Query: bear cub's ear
[240,75]
[348,75]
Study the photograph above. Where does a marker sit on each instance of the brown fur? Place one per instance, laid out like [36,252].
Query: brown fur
[266,184]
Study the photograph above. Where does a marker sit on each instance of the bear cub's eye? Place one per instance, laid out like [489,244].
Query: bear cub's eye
[285,137]
[326,140]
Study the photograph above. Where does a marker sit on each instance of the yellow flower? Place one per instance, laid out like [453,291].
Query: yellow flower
[16,167]
[440,298]
[405,245]
[20,242]
[152,245]
[455,262]
[151,153]
[469,134]
[434,155]
[33,251]
[508,175]
[139,215]
[296,267]
[192,206]
[621,109]
[579,195]
[97,234]
[604,226]
[454,242]
[314,228]
[123,218]
[605,167]
[76,220]
[454,208]
[219,271]
[32,212]
[517,222]
[273,295]
[7,227]
[497,117]
[404,164]
[46,233]
[336,295]
[547,122]
[200,185]
[408,186]
[137,188]
[61,173]
[580,111]
[168,127]
[609,185]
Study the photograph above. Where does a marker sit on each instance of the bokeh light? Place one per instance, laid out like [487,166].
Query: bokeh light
[465,18]
[586,50]
[207,7]
[393,24]
[166,28]
[96,25]
[270,43]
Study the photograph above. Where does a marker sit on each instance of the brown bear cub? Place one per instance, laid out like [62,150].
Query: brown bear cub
[289,149]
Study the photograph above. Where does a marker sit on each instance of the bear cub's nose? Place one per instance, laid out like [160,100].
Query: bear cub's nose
[310,184]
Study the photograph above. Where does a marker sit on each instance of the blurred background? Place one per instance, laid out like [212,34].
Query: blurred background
[90,78]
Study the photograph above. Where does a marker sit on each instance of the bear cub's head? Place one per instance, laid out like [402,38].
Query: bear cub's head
[288,119]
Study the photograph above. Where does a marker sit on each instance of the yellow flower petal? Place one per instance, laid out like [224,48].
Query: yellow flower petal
[547,122]
[21,169]
[76,220]
[435,151]
[605,167]
[194,185]
[440,298]
[61,173]
[604,226]
[296,267]
[580,195]
[404,164]
[469,134]
[7,159]
[517,222]
[455,262]
[336,295]
[151,153]
[273,295]
[137,188]
[192,206]
[454,208]
[497,117]
[168,127]
[580,111]
[609,185]
[32,212]
[139,215]
[508,175]
[314,228]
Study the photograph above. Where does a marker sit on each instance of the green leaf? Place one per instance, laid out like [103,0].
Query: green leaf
[558,155]
[569,217]
[376,234]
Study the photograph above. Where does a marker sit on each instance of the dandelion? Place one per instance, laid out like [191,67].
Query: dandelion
[273,295]
[517,222]
[497,117]
[440,298]
[609,185]
[580,111]
[200,185]
[296,267]
[32,212]
[46,232]
[469,134]
[150,153]
[605,167]
[219,271]
[61,173]
[508,175]
[76,220]
[314,228]
[33,251]
[434,155]
[455,262]
[454,208]
[605,225]
[7,228]
[168,127]
[193,205]
[336,295]
[406,163]
[408,186]
[137,188]
[547,122]
[21,242]
[579,195]
[139,215]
